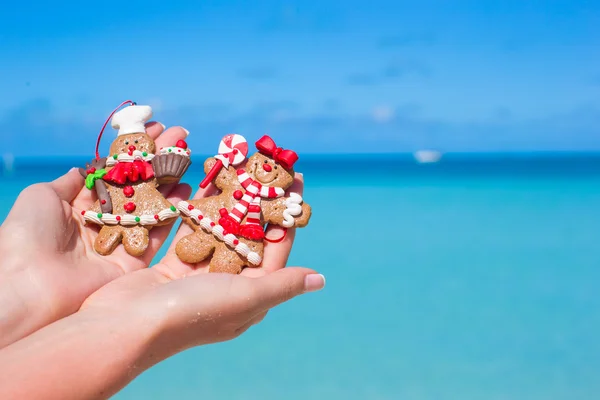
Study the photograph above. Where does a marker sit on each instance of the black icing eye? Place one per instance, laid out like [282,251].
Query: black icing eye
[136,141]
[126,142]
[266,161]
[275,166]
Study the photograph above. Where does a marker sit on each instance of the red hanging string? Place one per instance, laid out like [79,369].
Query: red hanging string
[278,240]
[106,123]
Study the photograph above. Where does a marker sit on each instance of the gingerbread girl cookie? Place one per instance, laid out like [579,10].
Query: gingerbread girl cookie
[129,203]
[229,227]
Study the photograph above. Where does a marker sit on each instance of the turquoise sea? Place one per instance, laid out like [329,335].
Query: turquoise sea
[473,278]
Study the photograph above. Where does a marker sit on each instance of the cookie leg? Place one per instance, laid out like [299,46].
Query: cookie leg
[225,260]
[108,239]
[135,240]
[195,247]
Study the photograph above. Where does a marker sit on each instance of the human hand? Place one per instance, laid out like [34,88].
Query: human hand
[49,265]
[146,316]
[173,282]
[97,351]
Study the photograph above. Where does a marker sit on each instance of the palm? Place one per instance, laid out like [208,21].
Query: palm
[157,279]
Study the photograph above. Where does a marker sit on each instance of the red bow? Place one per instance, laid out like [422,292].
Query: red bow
[132,171]
[267,146]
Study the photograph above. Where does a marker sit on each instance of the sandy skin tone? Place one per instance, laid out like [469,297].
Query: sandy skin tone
[200,245]
[63,302]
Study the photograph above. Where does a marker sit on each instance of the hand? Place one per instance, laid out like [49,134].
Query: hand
[49,265]
[146,316]
[173,282]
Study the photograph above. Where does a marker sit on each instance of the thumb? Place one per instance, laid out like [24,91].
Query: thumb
[285,284]
[68,186]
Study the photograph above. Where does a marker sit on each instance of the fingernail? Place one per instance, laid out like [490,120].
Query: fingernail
[314,282]
[187,133]
[163,125]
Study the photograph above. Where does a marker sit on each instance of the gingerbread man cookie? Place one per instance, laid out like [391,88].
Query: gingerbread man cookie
[129,203]
[229,227]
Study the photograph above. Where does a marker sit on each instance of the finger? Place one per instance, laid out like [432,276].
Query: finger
[259,318]
[170,137]
[154,129]
[276,254]
[68,186]
[159,234]
[283,285]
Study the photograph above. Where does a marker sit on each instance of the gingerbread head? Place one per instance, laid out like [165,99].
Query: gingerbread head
[272,166]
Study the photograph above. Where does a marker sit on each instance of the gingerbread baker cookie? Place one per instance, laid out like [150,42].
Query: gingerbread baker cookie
[129,203]
[229,227]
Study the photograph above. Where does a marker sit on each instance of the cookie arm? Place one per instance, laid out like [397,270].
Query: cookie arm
[304,217]
[196,203]
[105,203]
[275,210]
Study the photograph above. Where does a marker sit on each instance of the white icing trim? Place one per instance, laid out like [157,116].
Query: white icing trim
[125,157]
[175,150]
[293,208]
[128,219]
[217,230]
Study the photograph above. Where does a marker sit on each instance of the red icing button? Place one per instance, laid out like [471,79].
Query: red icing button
[103,202]
[128,191]
[200,217]
[238,194]
[190,207]
[118,217]
[236,242]
[212,224]
[181,144]
[156,217]
[83,212]
[91,171]
[129,207]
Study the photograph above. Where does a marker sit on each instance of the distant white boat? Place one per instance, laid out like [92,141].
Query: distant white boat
[427,156]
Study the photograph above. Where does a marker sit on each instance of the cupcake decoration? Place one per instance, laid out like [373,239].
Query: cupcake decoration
[172,162]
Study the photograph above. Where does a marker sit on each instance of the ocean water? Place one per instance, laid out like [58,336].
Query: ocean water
[473,278]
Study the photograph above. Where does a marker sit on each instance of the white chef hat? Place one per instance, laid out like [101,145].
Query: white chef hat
[131,119]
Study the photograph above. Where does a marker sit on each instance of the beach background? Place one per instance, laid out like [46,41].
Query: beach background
[468,278]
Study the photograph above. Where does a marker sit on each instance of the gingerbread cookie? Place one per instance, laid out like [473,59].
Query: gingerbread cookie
[229,227]
[129,203]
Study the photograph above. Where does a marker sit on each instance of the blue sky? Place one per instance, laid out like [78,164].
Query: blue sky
[319,76]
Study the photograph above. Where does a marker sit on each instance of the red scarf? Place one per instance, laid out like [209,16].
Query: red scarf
[132,171]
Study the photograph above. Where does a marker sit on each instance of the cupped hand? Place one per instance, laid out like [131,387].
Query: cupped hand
[196,307]
[49,264]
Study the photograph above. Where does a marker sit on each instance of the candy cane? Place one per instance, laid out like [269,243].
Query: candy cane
[233,150]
